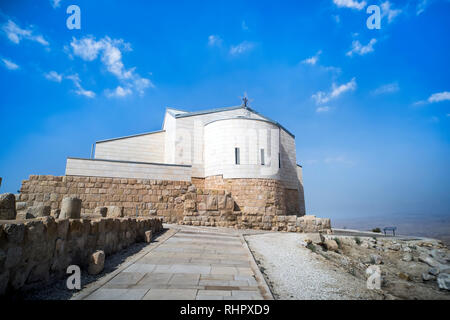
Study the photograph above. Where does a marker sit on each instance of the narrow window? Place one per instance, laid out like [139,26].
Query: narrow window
[237,156]
[279,160]
[262,157]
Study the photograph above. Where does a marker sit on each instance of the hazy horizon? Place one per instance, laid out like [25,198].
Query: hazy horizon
[369,108]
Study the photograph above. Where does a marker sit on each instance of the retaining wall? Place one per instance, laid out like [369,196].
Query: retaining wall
[34,252]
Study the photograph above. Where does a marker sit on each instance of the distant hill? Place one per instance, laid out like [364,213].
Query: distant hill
[437,227]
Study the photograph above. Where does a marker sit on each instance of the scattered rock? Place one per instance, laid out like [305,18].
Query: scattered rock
[440,256]
[443,281]
[375,259]
[96,262]
[429,261]
[428,277]
[102,211]
[114,212]
[315,238]
[7,206]
[404,276]
[55,213]
[331,245]
[37,212]
[407,257]
[70,208]
[395,247]
[148,236]
[433,271]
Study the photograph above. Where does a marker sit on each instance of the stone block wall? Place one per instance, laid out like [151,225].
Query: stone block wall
[262,196]
[206,207]
[238,203]
[34,252]
[150,197]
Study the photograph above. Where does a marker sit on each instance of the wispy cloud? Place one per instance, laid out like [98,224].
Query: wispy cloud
[323,97]
[435,98]
[386,88]
[53,76]
[313,60]
[360,49]
[353,4]
[55,3]
[214,40]
[9,64]
[110,53]
[389,12]
[241,48]
[422,6]
[119,92]
[80,90]
[324,109]
[244,26]
[16,34]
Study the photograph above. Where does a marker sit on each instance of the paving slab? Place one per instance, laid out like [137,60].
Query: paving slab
[193,263]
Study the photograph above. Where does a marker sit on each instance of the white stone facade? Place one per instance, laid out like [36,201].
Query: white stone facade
[200,145]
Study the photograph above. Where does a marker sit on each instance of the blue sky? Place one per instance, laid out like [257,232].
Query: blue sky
[370,108]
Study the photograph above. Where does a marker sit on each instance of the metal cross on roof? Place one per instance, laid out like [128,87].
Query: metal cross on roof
[245,100]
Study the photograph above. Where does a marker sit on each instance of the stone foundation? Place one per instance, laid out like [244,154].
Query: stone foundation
[239,203]
[34,252]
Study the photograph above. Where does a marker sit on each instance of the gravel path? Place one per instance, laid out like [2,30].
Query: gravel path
[294,272]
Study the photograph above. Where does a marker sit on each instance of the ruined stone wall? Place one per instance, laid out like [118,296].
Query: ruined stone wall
[205,207]
[258,196]
[34,252]
[150,197]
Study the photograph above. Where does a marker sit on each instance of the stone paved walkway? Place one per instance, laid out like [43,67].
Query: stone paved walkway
[194,263]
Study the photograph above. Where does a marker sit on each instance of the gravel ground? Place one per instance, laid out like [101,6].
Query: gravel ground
[297,273]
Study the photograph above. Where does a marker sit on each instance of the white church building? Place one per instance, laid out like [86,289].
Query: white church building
[229,144]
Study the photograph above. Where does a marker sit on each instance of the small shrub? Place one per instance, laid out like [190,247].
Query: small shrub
[311,247]
[338,242]
[358,240]
[378,230]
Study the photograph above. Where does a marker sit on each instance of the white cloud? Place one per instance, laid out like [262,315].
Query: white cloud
[15,34]
[214,40]
[322,97]
[353,4]
[360,49]
[80,90]
[323,109]
[313,60]
[119,92]
[244,26]
[110,53]
[10,65]
[387,88]
[422,6]
[53,76]
[386,11]
[241,48]
[438,97]
[55,3]
[434,98]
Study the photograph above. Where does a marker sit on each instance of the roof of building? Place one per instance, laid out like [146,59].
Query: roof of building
[184,114]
